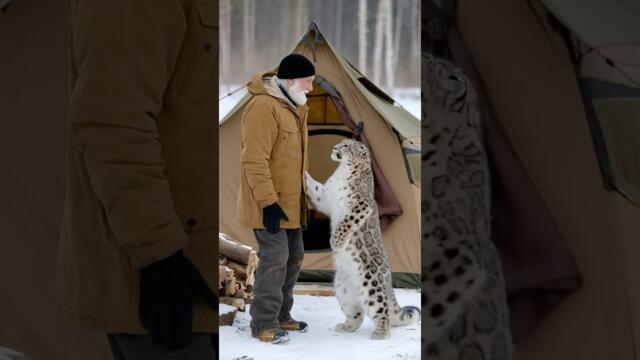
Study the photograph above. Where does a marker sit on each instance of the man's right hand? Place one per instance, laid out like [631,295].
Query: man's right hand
[167,290]
[271,216]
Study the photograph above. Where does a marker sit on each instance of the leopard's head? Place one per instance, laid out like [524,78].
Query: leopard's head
[350,151]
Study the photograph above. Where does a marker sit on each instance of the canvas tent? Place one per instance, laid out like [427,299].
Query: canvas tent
[559,91]
[343,99]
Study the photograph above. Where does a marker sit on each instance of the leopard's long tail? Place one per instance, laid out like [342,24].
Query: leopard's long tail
[406,315]
[401,316]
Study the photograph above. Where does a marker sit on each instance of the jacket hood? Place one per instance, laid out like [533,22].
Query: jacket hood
[264,83]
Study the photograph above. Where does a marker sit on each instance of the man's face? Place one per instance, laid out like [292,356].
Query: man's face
[302,84]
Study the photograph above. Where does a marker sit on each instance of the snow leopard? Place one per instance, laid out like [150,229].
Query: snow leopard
[464,297]
[362,279]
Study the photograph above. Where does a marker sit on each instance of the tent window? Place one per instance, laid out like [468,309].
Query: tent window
[374,89]
[621,136]
[615,132]
[412,160]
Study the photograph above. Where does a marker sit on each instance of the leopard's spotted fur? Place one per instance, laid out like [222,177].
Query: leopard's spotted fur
[363,275]
[466,315]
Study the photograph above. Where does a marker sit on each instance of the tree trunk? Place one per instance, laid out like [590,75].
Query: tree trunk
[248,20]
[340,8]
[305,18]
[225,40]
[415,28]
[301,14]
[388,35]
[316,13]
[362,36]
[286,28]
[252,36]
[396,37]
[377,46]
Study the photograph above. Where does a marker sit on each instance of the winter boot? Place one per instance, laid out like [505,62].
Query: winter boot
[293,325]
[272,335]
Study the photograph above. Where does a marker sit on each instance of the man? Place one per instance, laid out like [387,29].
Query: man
[271,199]
[138,248]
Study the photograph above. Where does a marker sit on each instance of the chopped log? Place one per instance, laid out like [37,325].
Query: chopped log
[236,303]
[240,294]
[236,272]
[239,289]
[224,272]
[226,315]
[234,250]
[227,319]
[222,277]
[226,287]
[245,272]
[313,290]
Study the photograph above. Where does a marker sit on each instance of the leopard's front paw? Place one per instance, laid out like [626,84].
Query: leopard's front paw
[343,327]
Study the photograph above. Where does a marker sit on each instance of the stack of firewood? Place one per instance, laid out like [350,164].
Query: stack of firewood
[236,274]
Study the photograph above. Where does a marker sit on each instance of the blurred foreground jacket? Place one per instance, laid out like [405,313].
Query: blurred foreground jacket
[142,177]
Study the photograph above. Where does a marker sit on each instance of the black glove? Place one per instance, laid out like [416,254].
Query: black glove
[271,216]
[167,290]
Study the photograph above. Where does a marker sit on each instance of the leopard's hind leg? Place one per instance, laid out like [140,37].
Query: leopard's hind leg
[348,299]
[377,304]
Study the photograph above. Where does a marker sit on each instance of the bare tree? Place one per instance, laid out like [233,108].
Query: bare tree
[225,40]
[255,34]
[377,45]
[340,10]
[316,14]
[248,31]
[362,36]
[396,36]
[415,28]
[388,35]
[301,18]
[286,32]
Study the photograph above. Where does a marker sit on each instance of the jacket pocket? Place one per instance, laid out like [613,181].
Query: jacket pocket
[197,208]
[198,56]
[290,137]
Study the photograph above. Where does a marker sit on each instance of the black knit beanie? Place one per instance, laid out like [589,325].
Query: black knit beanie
[295,66]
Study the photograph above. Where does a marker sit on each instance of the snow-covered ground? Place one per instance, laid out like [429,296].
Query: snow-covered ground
[409,98]
[322,313]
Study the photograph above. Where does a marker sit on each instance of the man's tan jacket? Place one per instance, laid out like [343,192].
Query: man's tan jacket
[274,155]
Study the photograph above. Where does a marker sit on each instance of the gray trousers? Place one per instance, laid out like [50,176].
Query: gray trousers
[142,347]
[280,257]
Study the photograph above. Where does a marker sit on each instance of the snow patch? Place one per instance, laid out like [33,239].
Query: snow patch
[322,313]
[225,309]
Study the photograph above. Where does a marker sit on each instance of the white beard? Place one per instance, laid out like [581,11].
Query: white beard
[297,95]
